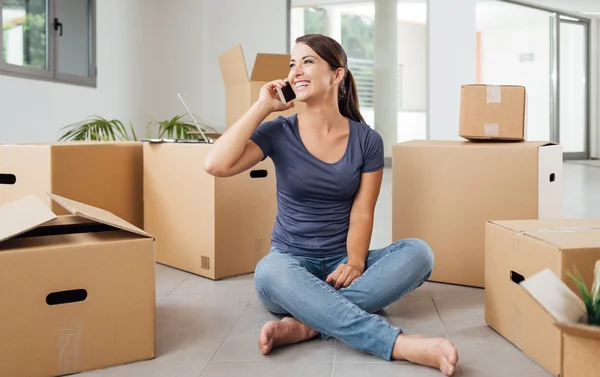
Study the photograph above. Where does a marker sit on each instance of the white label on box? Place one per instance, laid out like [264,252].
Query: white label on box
[494,94]
[550,182]
[491,129]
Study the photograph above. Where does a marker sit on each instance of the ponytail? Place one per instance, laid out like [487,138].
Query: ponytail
[348,99]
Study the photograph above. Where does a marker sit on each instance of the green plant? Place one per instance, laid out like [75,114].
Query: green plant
[98,129]
[177,127]
[591,299]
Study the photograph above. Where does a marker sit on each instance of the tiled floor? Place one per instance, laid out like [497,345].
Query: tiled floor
[210,329]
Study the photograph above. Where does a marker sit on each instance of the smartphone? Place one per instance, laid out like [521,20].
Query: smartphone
[286,94]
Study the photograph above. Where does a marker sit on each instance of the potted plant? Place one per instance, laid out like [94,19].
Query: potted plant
[178,127]
[591,299]
[97,128]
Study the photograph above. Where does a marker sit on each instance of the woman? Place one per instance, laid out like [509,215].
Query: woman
[320,273]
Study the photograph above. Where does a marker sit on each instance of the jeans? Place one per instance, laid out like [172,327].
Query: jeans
[291,285]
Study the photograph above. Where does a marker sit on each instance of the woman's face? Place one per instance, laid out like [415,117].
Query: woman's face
[310,75]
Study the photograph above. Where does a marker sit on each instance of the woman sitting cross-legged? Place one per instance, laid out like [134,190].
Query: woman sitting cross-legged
[320,273]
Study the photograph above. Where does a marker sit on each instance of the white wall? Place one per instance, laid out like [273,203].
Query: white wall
[500,65]
[450,63]
[258,25]
[173,60]
[33,111]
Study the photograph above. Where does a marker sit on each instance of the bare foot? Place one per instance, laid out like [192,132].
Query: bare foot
[287,331]
[437,353]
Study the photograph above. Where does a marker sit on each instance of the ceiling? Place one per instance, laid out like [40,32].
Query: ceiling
[575,7]
[490,14]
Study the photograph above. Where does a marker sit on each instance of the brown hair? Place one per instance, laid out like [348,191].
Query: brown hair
[333,53]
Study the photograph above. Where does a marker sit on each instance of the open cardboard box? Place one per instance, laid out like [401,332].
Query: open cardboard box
[242,91]
[581,342]
[77,291]
[106,175]
[518,249]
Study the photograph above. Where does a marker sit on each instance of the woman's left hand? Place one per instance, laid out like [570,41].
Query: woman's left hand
[344,275]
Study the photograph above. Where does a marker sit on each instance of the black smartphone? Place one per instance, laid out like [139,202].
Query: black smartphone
[286,94]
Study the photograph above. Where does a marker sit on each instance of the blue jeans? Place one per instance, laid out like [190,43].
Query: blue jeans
[291,285]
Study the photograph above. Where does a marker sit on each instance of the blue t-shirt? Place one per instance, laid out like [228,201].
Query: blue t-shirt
[314,198]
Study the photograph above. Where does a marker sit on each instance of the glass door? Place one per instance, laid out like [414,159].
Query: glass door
[573,120]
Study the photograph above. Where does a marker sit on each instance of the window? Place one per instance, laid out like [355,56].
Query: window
[49,39]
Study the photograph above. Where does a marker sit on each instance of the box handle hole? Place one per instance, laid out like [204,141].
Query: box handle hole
[516,277]
[552,177]
[66,297]
[8,179]
[258,173]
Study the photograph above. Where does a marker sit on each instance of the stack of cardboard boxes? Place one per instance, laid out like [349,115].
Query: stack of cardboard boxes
[83,223]
[491,209]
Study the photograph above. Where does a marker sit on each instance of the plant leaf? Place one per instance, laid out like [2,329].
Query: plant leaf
[590,304]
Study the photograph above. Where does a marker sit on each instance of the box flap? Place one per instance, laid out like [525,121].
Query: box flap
[555,297]
[96,214]
[563,233]
[269,67]
[233,66]
[580,330]
[23,215]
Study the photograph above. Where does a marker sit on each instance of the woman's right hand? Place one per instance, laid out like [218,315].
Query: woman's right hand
[269,97]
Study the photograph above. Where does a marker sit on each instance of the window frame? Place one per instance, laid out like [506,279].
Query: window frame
[52,73]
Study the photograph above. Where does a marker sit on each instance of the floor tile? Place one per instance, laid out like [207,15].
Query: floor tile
[242,342]
[167,279]
[192,325]
[386,369]
[166,366]
[239,286]
[483,352]
[257,369]
[460,308]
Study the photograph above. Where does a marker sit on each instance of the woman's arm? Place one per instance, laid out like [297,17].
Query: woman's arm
[362,217]
[233,152]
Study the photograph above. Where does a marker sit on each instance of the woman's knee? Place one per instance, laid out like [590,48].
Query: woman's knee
[267,277]
[422,252]
[270,269]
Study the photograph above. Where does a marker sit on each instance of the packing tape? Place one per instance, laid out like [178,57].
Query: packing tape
[494,94]
[70,337]
[491,129]
[575,229]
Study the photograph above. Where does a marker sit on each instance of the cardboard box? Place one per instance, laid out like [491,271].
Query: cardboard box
[516,250]
[242,91]
[494,112]
[106,175]
[581,342]
[77,291]
[445,191]
[209,226]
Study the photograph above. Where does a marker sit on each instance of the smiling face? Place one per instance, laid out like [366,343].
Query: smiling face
[311,76]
